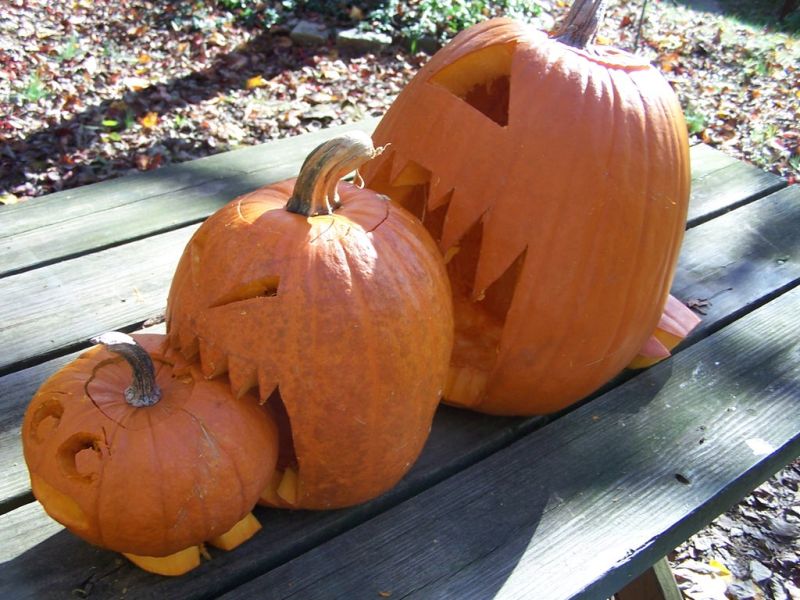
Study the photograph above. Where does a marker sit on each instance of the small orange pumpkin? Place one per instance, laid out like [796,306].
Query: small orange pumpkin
[555,176]
[336,305]
[152,469]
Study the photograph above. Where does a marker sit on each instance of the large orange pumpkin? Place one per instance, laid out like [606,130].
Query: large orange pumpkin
[555,176]
[336,305]
[132,457]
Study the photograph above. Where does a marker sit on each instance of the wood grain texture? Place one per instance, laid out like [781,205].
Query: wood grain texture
[716,191]
[741,259]
[600,494]
[55,308]
[280,156]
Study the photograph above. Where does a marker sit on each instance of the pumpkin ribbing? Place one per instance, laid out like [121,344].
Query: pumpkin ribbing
[561,227]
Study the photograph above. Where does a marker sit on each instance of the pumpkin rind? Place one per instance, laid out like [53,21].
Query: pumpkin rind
[346,315]
[149,481]
[576,206]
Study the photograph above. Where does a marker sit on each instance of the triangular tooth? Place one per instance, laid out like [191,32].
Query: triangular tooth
[267,382]
[181,365]
[242,374]
[181,337]
[493,265]
[458,221]
[438,192]
[212,359]
[398,166]
[191,353]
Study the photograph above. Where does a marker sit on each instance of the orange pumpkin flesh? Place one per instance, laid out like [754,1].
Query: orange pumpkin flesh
[675,324]
[238,534]
[556,180]
[150,471]
[179,563]
[339,313]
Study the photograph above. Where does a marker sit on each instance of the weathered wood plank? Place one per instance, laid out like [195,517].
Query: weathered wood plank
[57,307]
[84,201]
[739,260]
[280,157]
[601,493]
[718,190]
[706,159]
[129,208]
[114,226]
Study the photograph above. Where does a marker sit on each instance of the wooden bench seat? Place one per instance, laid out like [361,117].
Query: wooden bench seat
[573,505]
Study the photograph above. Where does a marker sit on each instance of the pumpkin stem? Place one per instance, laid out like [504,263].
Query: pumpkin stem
[144,390]
[315,189]
[580,27]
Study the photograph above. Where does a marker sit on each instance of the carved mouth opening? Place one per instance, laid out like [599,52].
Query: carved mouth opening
[282,489]
[480,315]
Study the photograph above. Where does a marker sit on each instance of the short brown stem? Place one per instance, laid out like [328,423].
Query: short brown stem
[580,27]
[144,390]
[315,189]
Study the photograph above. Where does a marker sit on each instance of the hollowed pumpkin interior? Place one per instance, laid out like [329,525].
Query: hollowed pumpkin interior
[480,319]
[46,419]
[266,287]
[480,314]
[282,488]
[482,79]
[59,506]
[79,457]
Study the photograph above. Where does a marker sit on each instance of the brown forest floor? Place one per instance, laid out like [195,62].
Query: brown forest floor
[95,89]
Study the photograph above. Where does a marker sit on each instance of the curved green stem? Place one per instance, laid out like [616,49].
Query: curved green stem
[315,189]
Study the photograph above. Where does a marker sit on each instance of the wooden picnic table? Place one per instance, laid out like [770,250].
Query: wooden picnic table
[576,505]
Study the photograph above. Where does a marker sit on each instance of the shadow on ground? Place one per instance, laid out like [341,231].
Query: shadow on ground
[778,15]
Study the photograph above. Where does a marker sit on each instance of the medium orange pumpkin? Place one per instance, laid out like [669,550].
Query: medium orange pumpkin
[336,305]
[152,469]
[555,176]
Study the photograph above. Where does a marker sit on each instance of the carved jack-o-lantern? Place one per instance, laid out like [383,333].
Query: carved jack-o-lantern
[336,305]
[133,456]
[555,178]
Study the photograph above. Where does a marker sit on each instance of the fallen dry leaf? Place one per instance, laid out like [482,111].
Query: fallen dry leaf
[255,82]
[135,84]
[149,120]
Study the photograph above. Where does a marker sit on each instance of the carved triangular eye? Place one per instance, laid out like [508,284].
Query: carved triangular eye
[265,287]
[482,79]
